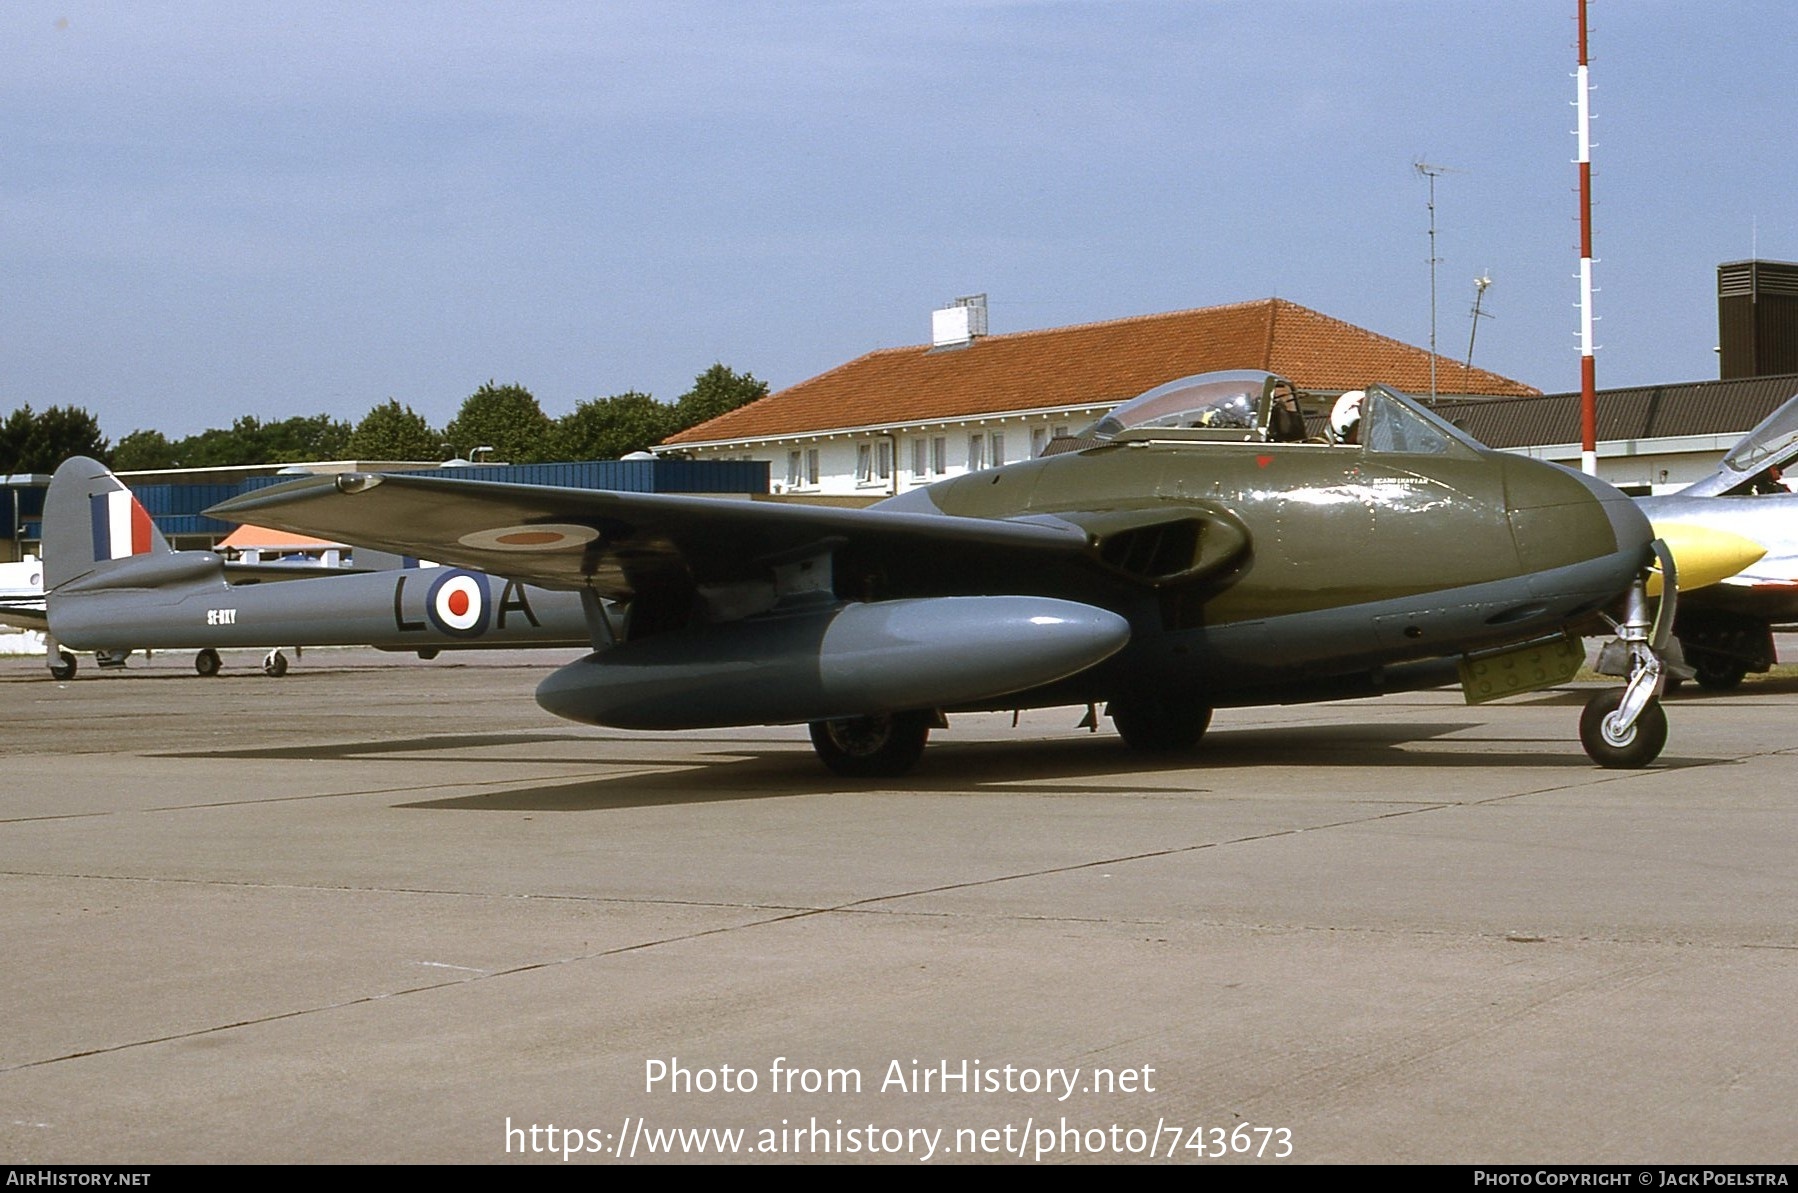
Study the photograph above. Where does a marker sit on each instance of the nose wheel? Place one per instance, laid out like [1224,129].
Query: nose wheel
[1615,744]
[1626,728]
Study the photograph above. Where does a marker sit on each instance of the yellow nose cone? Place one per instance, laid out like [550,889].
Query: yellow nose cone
[1702,554]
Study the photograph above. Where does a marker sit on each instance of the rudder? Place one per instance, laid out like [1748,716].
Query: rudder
[92,522]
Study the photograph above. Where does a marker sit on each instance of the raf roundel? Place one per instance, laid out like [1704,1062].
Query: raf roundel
[457,604]
[538,537]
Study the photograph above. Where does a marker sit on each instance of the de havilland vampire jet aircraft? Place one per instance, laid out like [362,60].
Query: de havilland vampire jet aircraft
[1726,630]
[1191,550]
[114,585]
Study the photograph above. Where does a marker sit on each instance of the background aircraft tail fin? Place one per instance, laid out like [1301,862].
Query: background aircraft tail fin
[93,523]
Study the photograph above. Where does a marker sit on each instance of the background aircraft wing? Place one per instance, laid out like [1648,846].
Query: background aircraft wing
[627,543]
[25,613]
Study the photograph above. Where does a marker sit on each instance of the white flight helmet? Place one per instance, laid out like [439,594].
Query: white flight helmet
[1345,417]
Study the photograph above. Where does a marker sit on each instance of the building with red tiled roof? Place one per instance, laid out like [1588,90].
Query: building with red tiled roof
[899,417]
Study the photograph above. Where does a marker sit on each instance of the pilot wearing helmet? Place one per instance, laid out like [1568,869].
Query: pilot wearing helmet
[1345,417]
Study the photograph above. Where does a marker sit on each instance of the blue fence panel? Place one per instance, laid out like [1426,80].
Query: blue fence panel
[176,506]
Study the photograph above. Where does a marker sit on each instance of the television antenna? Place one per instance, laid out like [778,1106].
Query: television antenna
[1432,172]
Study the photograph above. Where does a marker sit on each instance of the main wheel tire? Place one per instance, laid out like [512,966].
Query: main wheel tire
[207,662]
[275,665]
[1719,674]
[1159,726]
[880,747]
[64,666]
[1630,751]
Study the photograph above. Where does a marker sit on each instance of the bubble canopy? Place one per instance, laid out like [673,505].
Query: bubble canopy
[1771,442]
[1215,400]
[1237,405]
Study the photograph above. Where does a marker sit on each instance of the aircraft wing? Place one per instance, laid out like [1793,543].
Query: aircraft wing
[26,613]
[621,543]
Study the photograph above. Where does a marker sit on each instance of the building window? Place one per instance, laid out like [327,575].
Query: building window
[939,455]
[998,447]
[864,463]
[1039,439]
[883,459]
[811,466]
[794,463]
[976,452]
[920,456]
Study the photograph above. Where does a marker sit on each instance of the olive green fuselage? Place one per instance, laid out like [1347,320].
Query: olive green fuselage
[1297,565]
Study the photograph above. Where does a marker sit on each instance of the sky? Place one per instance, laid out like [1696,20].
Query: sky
[213,209]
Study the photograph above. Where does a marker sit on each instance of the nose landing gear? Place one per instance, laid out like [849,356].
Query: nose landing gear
[1626,729]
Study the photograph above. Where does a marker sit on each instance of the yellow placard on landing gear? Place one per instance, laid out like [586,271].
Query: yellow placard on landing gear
[1521,669]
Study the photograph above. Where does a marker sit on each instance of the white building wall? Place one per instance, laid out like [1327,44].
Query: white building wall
[875,462]
[1660,465]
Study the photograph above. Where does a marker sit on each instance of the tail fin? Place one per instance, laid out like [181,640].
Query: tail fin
[92,523]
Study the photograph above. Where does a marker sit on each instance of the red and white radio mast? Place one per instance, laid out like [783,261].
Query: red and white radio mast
[1588,374]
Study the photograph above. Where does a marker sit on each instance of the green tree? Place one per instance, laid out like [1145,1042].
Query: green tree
[394,432]
[31,442]
[610,428]
[305,437]
[221,447]
[505,418]
[144,450]
[716,391]
[249,440]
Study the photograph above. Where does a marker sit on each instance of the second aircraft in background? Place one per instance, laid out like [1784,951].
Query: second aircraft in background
[114,585]
[1726,630]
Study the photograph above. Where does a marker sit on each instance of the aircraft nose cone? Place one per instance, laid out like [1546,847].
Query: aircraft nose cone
[1703,555]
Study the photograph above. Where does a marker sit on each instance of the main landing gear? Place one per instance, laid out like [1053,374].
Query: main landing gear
[878,747]
[889,745]
[1722,648]
[1625,729]
[274,663]
[1152,726]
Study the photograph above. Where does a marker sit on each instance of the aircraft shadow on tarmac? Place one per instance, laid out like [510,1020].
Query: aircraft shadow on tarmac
[1072,766]
[403,749]
[753,768]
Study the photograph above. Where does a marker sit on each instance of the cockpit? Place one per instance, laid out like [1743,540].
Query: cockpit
[1250,406]
[1755,463]
[1224,402]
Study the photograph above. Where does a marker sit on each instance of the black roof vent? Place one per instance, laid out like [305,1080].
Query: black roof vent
[1757,318]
